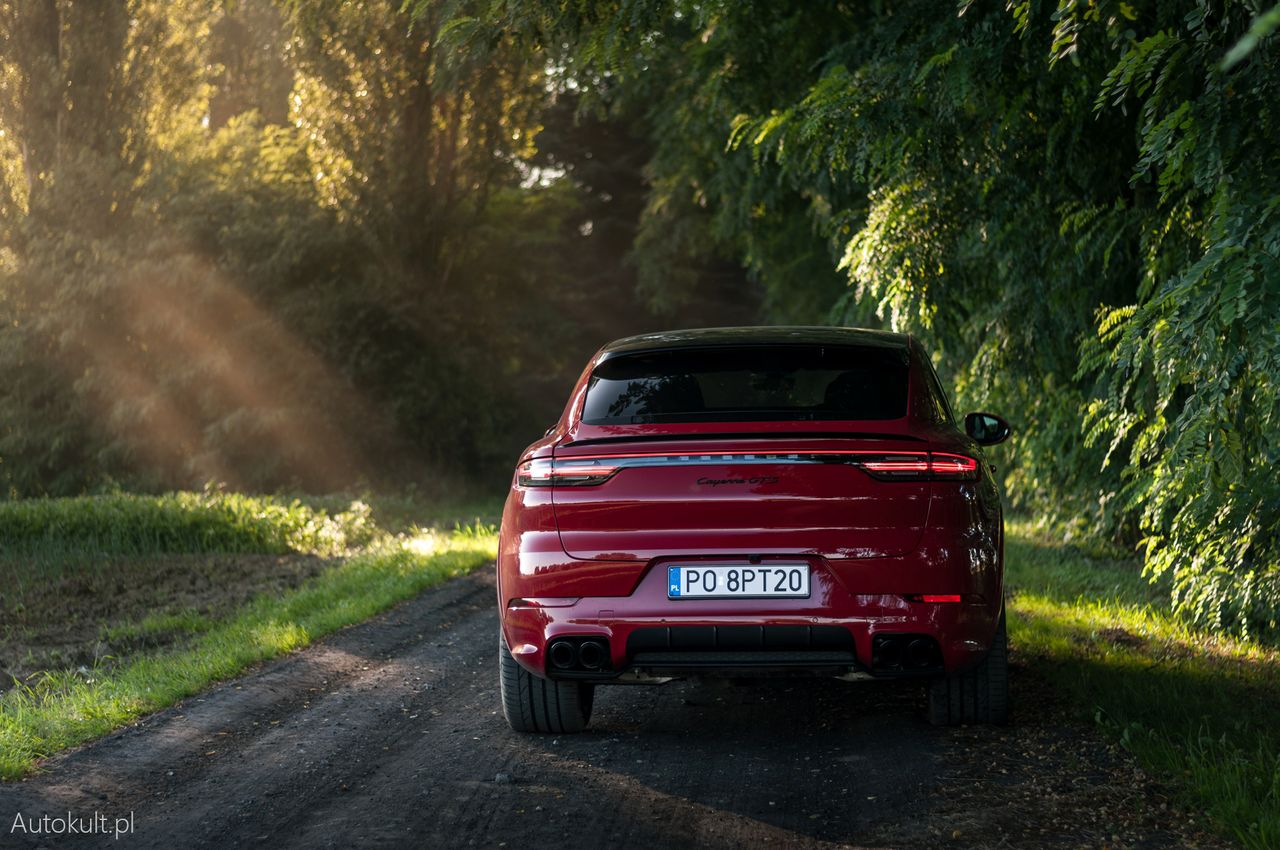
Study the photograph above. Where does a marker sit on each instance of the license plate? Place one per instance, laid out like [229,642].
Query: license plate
[768,581]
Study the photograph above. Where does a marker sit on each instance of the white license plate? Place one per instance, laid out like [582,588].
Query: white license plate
[755,581]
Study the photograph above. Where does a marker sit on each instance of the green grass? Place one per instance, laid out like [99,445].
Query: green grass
[372,553]
[62,708]
[1199,711]
[163,623]
[53,529]
[404,513]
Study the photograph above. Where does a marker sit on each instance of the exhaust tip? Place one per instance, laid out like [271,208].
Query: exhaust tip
[562,654]
[920,653]
[592,654]
[888,653]
[905,653]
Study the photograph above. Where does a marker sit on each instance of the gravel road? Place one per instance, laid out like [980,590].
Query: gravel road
[389,734]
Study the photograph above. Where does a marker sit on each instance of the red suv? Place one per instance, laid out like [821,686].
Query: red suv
[754,502]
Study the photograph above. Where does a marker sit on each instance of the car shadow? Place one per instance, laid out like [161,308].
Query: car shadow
[785,760]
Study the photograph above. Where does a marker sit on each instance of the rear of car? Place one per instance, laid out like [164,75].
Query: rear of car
[752,502]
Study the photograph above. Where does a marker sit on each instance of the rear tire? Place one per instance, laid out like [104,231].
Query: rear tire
[980,695]
[533,704]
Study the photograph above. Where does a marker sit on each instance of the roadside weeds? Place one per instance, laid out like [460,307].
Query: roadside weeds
[1200,711]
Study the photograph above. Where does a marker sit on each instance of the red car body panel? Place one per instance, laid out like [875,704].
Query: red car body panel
[579,561]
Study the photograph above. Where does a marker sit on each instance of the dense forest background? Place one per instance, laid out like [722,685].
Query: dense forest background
[321,246]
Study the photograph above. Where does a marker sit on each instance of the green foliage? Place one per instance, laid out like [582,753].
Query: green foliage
[133,525]
[1189,369]
[1192,707]
[1262,27]
[291,246]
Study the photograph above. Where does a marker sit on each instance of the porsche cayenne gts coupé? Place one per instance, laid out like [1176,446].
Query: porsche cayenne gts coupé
[754,502]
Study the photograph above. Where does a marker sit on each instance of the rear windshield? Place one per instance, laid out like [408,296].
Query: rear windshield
[749,384]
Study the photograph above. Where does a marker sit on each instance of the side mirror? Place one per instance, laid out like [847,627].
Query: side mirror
[987,429]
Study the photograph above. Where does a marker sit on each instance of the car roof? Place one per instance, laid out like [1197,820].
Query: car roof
[763,335]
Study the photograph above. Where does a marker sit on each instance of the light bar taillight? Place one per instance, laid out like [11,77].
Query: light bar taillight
[543,472]
[885,466]
[916,466]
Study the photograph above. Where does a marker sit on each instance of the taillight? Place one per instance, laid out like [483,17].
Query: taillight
[892,467]
[533,473]
[544,472]
[887,466]
[920,466]
[952,466]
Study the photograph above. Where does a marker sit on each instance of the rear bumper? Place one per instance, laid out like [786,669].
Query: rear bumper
[832,632]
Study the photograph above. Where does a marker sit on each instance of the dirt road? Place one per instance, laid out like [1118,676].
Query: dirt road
[389,734]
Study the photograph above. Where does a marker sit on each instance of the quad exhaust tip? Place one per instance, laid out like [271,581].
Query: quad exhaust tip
[578,655]
[920,653]
[905,654]
[563,655]
[592,654]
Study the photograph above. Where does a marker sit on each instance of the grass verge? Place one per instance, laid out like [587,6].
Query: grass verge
[125,524]
[1199,711]
[59,708]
